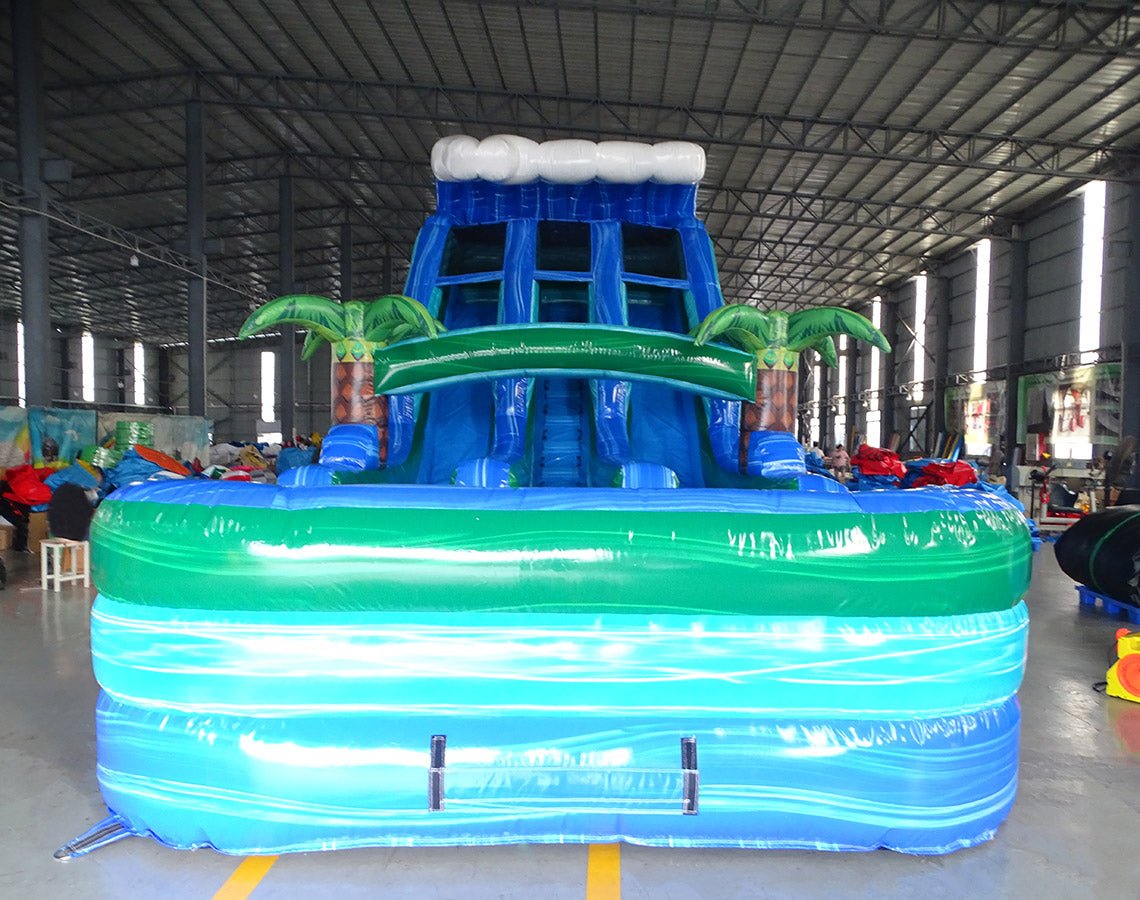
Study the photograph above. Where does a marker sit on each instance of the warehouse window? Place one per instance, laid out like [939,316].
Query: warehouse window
[140,374]
[21,367]
[982,310]
[268,386]
[87,357]
[919,336]
[874,416]
[1092,267]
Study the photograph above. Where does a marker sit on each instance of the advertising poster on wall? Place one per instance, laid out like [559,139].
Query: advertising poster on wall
[1072,419]
[977,411]
[15,441]
[1070,414]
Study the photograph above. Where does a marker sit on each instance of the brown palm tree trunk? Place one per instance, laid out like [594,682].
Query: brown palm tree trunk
[777,396]
[355,400]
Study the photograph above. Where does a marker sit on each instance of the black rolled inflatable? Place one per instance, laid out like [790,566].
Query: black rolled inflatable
[1103,552]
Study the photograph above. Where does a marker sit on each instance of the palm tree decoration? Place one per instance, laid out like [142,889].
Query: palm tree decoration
[356,329]
[777,339]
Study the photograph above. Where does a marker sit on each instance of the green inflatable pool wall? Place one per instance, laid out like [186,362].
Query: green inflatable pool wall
[561,560]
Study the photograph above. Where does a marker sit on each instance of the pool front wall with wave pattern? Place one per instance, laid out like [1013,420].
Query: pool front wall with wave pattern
[266,691]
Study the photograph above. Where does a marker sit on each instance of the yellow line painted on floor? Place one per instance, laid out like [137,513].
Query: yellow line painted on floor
[246,877]
[603,872]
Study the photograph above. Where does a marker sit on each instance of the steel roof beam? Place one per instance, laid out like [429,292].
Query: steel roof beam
[244,170]
[822,209]
[226,228]
[1089,29]
[807,284]
[985,151]
[16,199]
[753,295]
[831,276]
[305,256]
[883,215]
[805,250]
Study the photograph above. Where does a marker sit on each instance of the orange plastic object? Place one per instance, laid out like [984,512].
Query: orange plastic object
[161,459]
[1124,676]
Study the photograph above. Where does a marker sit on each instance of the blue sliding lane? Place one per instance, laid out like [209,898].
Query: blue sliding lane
[662,421]
[459,417]
[561,432]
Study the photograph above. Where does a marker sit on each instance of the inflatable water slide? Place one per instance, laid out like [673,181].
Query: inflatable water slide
[559,574]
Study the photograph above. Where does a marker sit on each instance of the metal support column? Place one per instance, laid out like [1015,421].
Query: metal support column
[65,368]
[825,394]
[288,357]
[386,273]
[196,250]
[938,324]
[164,378]
[120,376]
[32,238]
[346,261]
[1130,333]
[1015,346]
[854,405]
[802,397]
[889,400]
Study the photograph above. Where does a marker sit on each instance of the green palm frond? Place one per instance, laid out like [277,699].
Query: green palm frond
[321,315]
[354,318]
[806,327]
[735,319]
[825,347]
[309,348]
[743,339]
[402,332]
[384,314]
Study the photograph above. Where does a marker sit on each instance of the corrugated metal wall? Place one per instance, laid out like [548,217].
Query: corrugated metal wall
[1117,247]
[7,360]
[1054,278]
[960,274]
[1000,259]
[233,398]
[1054,289]
[67,351]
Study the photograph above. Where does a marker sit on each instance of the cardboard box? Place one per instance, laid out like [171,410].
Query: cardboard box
[37,530]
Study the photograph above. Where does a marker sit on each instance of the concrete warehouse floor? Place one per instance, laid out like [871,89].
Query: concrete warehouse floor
[1073,831]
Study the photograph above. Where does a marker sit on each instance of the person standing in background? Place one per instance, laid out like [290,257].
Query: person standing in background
[841,462]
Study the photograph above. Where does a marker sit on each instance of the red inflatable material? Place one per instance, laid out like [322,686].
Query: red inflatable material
[957,474]
[876,461]
[26,485]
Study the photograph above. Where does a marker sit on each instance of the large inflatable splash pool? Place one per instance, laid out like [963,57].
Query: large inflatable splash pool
[554,581]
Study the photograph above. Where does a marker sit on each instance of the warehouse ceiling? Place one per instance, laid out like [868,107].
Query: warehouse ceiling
[850,143]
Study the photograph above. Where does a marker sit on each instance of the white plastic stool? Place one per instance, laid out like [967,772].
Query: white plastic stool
[52,570]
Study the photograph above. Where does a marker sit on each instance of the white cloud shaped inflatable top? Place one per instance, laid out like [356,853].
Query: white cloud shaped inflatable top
[510,159]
